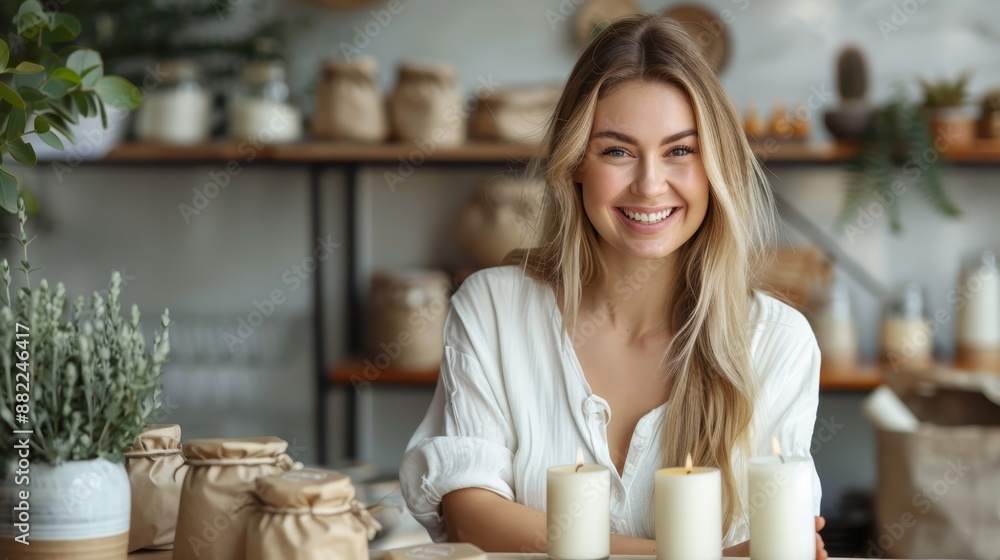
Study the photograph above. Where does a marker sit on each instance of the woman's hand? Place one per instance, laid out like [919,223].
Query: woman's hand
[820,545]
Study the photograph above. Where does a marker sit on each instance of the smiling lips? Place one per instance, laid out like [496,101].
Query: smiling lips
[647,217]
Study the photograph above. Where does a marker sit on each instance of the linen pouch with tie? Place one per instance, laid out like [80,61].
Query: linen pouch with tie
[156,471]
[211,522]
[308,515]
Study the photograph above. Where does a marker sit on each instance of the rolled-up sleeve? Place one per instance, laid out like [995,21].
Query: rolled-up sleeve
[465,440]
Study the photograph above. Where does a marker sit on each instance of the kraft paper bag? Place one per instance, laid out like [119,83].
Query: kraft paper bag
[349,104]
[308,515]
[213,514]
[156,471]
[426,106]
[938,492]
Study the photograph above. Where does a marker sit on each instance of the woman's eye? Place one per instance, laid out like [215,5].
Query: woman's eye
[615,152]
[680,151]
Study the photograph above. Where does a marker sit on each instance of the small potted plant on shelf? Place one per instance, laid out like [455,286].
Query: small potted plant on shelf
[896,151]
[989,118]
[950,119]
[77,389]
[848,120]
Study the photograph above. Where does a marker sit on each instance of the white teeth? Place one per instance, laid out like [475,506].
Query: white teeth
[648,218]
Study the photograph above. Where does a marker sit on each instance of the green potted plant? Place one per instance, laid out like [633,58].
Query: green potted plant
[848,120]
[77,389]
[989,117]
[947,113]
[45,93]
[895,153]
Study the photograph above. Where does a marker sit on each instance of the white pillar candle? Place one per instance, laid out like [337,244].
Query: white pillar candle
[578,511]
[688,513]
[782,525]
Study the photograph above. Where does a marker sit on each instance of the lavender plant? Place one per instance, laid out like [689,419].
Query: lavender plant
[92,383]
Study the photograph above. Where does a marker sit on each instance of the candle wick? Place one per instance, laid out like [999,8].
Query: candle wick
[578,466]
[782,459]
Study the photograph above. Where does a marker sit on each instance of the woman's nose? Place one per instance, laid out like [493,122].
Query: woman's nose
[651,179]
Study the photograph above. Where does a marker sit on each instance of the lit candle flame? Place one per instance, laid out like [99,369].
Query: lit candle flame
[776,448]
[579,459]
[688,464]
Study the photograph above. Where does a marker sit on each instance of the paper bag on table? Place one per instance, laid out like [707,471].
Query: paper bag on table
[156,470]
[308,515]
[938,492]
[215,499]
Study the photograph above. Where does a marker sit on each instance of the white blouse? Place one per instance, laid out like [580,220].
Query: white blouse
[512,400]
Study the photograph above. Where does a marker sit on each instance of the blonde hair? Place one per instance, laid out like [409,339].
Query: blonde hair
[709,359]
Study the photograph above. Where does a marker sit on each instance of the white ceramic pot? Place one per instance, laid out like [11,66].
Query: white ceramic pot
[78,510]
[93,141]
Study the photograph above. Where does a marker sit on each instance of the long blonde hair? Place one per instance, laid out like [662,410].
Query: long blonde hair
[709,357]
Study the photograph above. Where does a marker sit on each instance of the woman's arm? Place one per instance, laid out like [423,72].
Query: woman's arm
[495,524]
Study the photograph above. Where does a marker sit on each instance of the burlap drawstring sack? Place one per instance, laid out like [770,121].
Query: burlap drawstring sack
[308,515]
[349,104]
[211,523]
[426,105]
[156,471]
[515,115]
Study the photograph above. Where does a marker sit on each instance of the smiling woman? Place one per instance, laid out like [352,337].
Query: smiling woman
[637,330]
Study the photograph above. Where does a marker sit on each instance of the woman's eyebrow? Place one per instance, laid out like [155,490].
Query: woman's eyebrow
[622,137]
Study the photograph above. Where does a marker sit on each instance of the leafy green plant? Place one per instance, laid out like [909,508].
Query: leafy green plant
[894,152]
[91,381]
[945,93]
[49,91]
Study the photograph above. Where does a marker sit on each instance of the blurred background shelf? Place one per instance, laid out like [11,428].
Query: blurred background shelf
[353,373]
[982,152]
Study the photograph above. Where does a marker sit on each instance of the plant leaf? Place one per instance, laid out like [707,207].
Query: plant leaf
[62,28]
[51,139]
[15,123]
[22,152]
[4,54]
[8,191]
[61,82]
[24,68]
[118,92]
[88,64]
[80,101]
[41,124]
[31,18]
[11,96]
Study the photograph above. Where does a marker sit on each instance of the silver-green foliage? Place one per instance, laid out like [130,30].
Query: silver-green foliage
[93,384]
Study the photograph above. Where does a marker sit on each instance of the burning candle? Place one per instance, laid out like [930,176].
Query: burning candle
[578,511]
[688,513]
[782,526]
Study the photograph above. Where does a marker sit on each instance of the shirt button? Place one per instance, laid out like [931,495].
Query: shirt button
[619,496]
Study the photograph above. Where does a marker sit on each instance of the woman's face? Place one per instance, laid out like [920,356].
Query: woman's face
[644,185]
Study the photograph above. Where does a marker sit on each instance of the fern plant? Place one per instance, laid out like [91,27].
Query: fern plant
[945,93]
[85,385]
[895,152]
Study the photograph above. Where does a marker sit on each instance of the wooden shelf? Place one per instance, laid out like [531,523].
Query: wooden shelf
[984,151]
[358,374]
[865,378]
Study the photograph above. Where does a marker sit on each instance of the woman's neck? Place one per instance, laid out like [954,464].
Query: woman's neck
[635,293]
